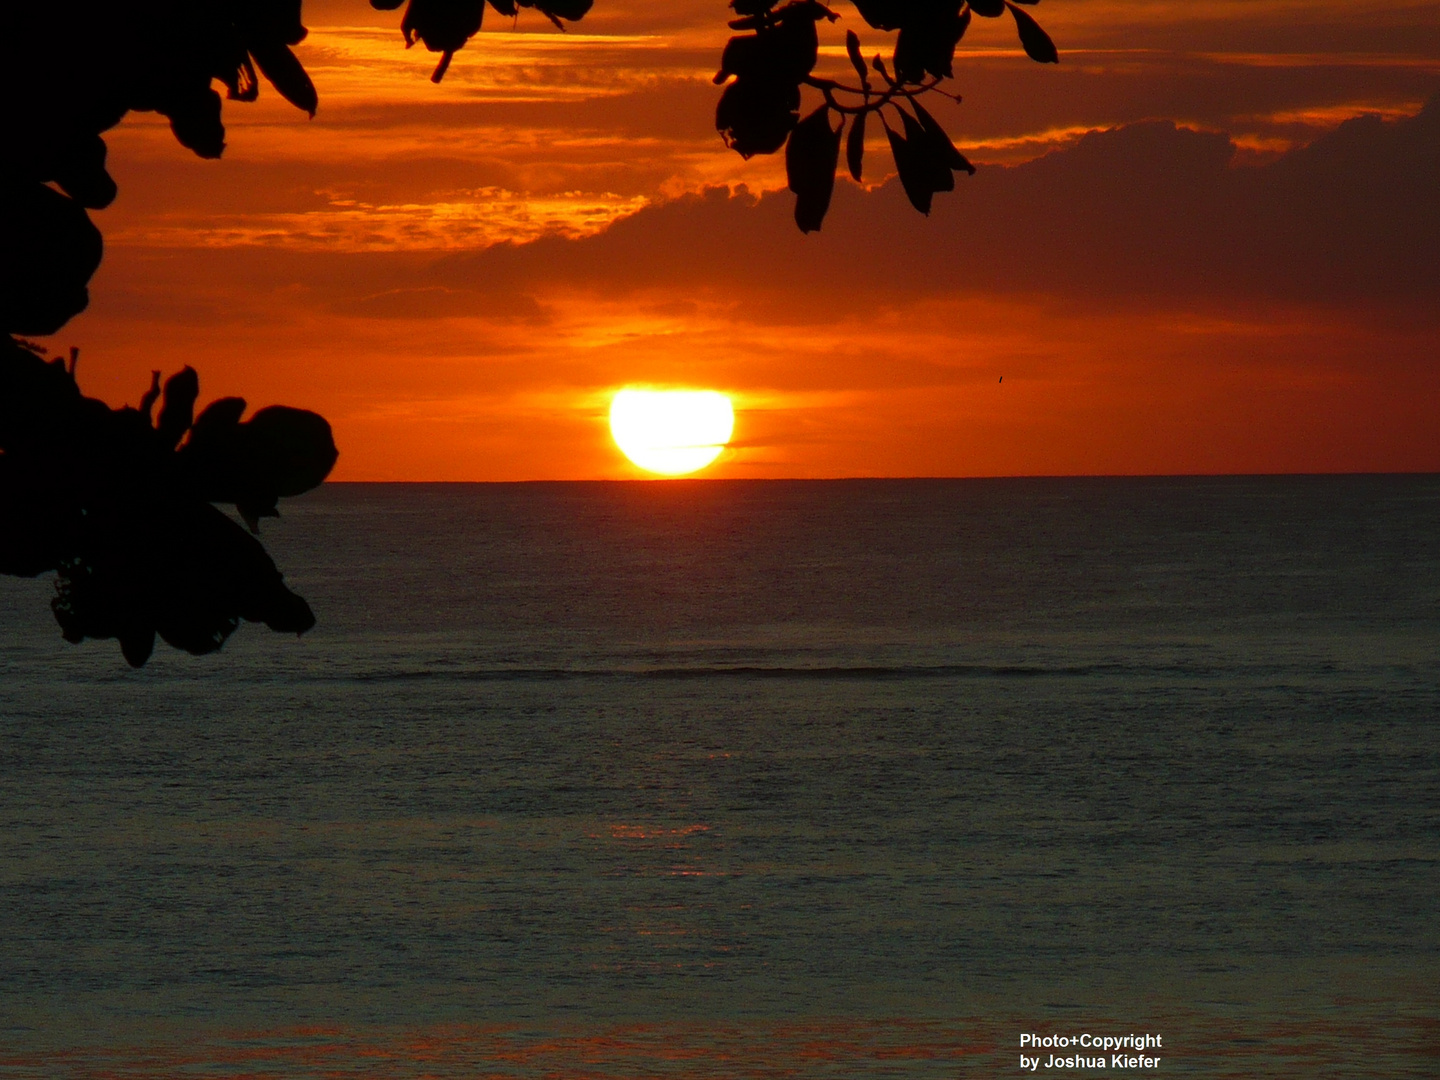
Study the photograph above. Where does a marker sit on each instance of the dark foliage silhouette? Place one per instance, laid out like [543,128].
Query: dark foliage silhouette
[444,26]
[759,110]
[120,506]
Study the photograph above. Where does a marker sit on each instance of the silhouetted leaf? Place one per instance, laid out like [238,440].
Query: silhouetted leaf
[442,25]
[855,146]
[743,55]
[279,452]
[1037,43]
[912,171]
[922,161]
[278,64]
[756,116]
[292,450]
[810,160]
[152,395]
[930,156]
[181,390]
[927,44]
[988,9]
[782,53]
[941,141]
[136,645]
[219,415]
[852,49]
[48,250]
[573,10]
[195,120]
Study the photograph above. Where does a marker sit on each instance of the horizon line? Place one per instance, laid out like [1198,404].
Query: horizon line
[915,478]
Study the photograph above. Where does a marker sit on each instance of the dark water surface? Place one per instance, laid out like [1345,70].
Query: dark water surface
[813,779]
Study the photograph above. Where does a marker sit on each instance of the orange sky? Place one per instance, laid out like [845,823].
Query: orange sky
[459,276]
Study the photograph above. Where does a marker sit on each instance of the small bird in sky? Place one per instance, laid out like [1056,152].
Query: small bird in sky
[1002,378]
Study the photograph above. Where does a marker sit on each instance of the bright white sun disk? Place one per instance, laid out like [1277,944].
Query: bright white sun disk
[671,432]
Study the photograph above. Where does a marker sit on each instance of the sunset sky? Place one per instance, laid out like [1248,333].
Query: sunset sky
[1206,242]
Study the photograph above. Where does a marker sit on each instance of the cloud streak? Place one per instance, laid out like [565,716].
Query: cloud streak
[1145,210]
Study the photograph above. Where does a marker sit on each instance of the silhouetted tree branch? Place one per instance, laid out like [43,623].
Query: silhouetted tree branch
[120,504]
[759,110]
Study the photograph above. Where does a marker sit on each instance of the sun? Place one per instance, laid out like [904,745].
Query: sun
[671,432]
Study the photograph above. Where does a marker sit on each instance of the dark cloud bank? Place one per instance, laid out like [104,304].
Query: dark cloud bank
[1147,211]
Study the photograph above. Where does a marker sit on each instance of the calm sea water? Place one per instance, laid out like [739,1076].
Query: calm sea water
[831,779]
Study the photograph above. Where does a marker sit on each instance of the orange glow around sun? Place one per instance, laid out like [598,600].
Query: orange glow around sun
[460,277]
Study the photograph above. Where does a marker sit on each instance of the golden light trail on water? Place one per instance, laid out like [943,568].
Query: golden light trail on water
[671,432]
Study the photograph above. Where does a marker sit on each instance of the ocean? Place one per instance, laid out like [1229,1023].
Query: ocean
[840,779]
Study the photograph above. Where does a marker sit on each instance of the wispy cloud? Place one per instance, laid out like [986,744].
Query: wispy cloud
[472,219]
